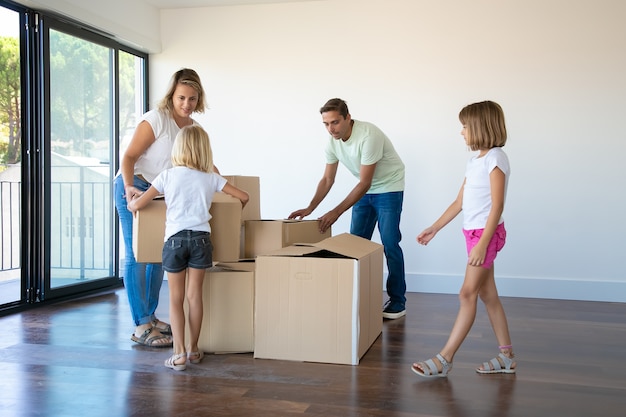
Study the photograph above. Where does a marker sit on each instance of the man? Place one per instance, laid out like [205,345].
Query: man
[377,198]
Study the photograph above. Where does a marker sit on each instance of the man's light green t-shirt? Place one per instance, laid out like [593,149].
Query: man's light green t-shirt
[368,145]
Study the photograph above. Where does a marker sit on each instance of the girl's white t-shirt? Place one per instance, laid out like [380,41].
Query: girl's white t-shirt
[477,189]
[188,197]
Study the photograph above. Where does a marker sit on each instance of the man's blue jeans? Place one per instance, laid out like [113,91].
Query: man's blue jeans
[142,281]
[385,209]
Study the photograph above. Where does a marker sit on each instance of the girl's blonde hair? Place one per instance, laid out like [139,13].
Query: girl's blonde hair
[484,125]
[185,76]
[192,149]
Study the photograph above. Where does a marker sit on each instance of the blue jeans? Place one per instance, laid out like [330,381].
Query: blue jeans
[385,209]
[142,281]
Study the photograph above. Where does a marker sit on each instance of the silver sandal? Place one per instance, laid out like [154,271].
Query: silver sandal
[429,368]
[494,366]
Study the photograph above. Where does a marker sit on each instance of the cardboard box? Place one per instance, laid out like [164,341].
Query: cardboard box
[264,236]
[319,302]
[252,210]
[149,229]
[228,301]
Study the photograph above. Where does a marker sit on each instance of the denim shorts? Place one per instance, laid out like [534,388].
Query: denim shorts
[495,244]
[187,249]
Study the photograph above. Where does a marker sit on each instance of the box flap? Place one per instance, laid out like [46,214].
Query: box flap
[343,245]
[349,245]
[246,265]
[294,250]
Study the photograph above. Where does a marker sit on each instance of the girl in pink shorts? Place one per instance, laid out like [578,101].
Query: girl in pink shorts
[481,198]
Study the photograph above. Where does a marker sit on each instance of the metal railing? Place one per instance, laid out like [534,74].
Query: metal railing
[10,224]
[80,232]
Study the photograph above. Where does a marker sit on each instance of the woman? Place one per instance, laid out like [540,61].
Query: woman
[148,154]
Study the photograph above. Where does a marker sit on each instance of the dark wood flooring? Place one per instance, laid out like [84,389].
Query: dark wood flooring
[76,359]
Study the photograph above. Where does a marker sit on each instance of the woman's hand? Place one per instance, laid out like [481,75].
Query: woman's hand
[131,192]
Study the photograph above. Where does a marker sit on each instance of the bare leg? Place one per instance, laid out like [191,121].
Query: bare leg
[194,297]
[475,277]
[497,317]
[176,283]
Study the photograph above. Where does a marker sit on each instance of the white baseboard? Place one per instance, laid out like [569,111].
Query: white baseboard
[551,288]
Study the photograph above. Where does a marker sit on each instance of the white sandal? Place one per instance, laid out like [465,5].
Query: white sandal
[195,357]
[171,362]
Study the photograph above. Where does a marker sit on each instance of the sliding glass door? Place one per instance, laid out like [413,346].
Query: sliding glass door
[81,136]
[68,98]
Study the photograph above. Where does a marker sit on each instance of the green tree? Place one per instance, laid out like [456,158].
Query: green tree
[80,94]
[10,98]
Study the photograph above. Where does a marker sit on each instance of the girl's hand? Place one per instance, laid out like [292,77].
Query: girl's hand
[477,255]
[132,207]
[426,236]
[132,202]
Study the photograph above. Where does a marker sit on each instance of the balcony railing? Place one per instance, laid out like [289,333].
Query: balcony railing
[10,225]
[80,233]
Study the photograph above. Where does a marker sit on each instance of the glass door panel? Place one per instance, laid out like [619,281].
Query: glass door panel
[81,132]
[10,157]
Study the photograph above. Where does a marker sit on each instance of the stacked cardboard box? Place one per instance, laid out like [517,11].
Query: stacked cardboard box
[228,301]
[149,229]
[264,236]
[226,222]
[252,210]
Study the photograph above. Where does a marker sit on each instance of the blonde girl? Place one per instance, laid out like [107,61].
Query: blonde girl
[481,199]
[188,188]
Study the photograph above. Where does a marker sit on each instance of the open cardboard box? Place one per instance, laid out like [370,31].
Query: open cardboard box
[319,302]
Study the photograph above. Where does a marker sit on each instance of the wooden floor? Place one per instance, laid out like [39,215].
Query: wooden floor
[76,359]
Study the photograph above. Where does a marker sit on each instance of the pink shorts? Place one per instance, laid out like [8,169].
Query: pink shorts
[497,242]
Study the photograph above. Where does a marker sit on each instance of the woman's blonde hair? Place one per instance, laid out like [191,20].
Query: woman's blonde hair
[484,125]
[185,76]
[192,149]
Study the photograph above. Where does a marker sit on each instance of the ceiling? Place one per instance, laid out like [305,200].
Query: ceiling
[181,4]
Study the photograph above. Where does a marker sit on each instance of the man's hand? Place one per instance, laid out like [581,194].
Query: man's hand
[300,214]
[327,220]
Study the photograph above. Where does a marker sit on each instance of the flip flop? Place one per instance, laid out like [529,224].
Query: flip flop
[149,339]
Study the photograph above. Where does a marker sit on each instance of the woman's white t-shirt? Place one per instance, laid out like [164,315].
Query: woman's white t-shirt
[157,157]
[188,197]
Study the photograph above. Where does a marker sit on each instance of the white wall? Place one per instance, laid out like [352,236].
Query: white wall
[557,67]
[409,66]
